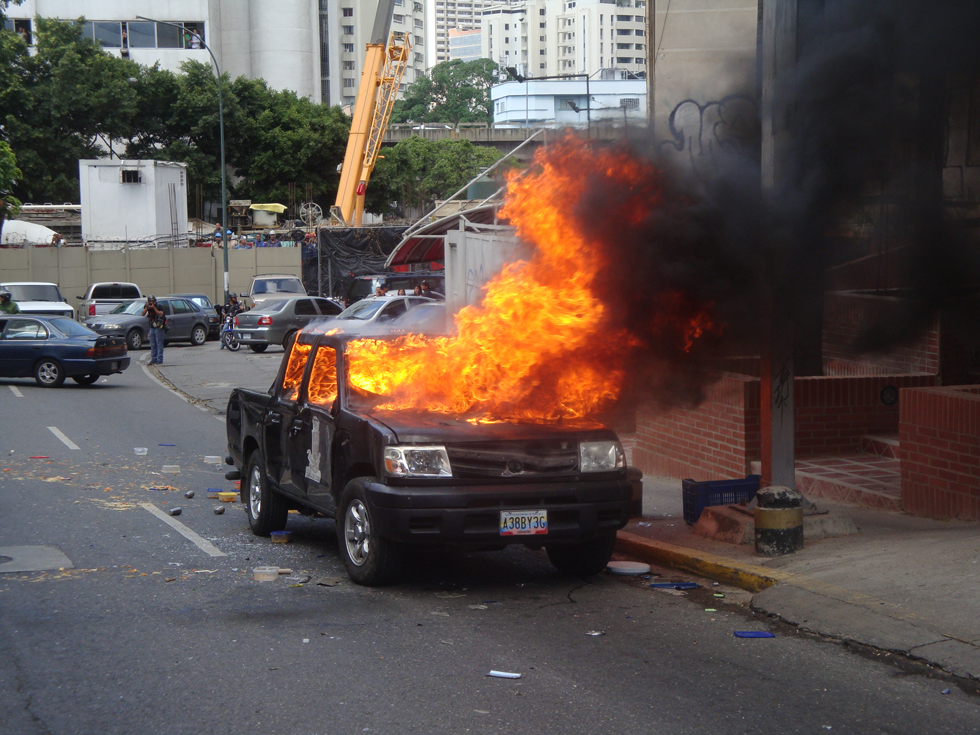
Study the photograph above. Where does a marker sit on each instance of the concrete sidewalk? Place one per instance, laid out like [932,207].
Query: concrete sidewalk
[902,584]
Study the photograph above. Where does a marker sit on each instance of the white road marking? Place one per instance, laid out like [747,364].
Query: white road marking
[203,544]
[68,442]
[16,391]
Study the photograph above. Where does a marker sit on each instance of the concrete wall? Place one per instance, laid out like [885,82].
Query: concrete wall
[704,68]
[157,271]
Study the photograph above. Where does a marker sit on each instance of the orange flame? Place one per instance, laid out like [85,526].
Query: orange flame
[539,346]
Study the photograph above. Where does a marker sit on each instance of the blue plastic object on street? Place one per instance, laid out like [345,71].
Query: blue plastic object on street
[166,445]
[697,496]
[753,634]
[674,585]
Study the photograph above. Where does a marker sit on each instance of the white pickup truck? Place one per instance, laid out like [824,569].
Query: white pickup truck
[272,287]
[101,298]
[35,297]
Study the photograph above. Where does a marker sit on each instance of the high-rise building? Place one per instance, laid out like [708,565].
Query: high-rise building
[549,37]
[461,15]
[465,45]
[313,47]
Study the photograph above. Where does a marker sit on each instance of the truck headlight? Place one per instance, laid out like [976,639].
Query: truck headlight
[600,456]
[429,461]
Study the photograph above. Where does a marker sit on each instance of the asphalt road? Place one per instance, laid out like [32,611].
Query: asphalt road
[149,632]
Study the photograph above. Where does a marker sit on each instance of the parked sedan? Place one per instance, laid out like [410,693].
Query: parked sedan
[207,306]
[377,311]
[185,322]
[53,348]
[274,322]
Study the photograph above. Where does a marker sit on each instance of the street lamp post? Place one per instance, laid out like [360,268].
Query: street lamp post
[221,138]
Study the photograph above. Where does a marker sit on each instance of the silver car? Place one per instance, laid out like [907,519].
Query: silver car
[376,311]
[186,322]
[274,322]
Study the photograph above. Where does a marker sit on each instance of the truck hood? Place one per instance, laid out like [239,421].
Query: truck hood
[45,307]
[412,427]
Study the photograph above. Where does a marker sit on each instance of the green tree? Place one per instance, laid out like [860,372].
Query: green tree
[60,102]
[452,92]
[416,172]
[9,174]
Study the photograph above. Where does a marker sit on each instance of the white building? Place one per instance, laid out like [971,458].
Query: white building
[462,15]
[607,97]
[465,45]
[312,47]
[131,201]
[548,37]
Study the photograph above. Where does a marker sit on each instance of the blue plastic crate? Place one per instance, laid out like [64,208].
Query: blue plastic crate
[699,495]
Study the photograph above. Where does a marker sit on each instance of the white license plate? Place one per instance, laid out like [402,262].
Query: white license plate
[523,522]
[114,366]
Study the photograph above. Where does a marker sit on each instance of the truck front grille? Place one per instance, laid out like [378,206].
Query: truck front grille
[514,459]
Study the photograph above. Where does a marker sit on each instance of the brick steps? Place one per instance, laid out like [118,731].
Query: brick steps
[882,445]
[860,478]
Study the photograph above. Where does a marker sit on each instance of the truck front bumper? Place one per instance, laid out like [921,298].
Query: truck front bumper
[469,515]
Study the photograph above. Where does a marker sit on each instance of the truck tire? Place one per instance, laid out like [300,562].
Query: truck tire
[370,559]
[267,510]
[585,559]
[48,373]
[134,340]
[199,335]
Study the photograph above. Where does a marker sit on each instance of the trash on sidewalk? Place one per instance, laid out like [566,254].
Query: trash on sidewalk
[675,585]
[139,451]
[280,537]
[189,494]
[219,510]
[41,456]
[175,511]
[710,609]
[449,595]
[213,493]
[171,468]
[753,634]
[212,459]
[595,632]
[227,497]
[627,568]
[644,524]
[504,675]
[166,445]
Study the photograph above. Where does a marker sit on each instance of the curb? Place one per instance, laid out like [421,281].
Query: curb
[750,577]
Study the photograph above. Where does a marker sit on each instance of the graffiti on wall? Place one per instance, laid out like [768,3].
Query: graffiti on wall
[700,134]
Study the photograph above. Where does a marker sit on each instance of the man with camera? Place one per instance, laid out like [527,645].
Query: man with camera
[158,323]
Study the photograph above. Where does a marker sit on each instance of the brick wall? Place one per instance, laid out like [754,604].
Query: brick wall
[722,436]
[939,434]
[848,314]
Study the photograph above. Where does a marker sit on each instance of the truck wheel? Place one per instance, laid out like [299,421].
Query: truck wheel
[267,510]
[199,335]
[585,559]
[134,340]
[370,559]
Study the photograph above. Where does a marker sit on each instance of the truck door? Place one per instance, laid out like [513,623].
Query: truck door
[280,415]
[312,431]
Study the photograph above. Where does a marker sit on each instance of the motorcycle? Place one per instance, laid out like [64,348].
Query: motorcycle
[228,338]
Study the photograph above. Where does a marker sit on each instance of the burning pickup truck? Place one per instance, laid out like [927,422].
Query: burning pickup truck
[320,442]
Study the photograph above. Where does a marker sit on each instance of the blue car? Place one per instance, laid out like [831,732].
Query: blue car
[50,349]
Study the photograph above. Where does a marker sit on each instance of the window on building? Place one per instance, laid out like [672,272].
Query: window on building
[349,48]
[624,18]
[348,30]
[142,35]
[541,38]
[623,60]
[419,58]
[348,12]
[542,25]
[541,11]
[639,18]
[349,66]
[168,36]
[600,33]
[419,41]
[349,82]
[640,60]
[506,39]
[630,103]
[108,34]
[639,47]
[624,46]
[398,18]
[624,31]
[131,176]
[542,65]
[542,52]
[418,23]
[22,28]
[506,26]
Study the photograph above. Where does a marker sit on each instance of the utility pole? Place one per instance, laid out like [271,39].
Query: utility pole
[779,49]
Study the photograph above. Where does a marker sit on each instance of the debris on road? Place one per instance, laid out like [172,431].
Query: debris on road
[175,511]
[595,632]
[227,497]
[280,537]
[166,445]
[629,568]
[449,595]
[504,675]
[753,634]
[139,451]
[41,456]
[213,493]
[675,585]
[189,494]
[170,469]
[265,574]
[219,510]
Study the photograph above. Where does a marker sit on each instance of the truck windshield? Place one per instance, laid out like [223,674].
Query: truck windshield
[278,285]
[34,292]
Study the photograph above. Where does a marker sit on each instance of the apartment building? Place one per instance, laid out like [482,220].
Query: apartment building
[312,47]
[548,37]
[465,45]
[462,15]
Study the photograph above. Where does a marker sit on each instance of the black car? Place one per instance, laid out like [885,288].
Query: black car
[54,348]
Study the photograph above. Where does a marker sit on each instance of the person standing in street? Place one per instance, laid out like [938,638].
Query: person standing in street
[7,306]
[158,322]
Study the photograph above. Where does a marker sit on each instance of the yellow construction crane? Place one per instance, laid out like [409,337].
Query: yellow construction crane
[384,66]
